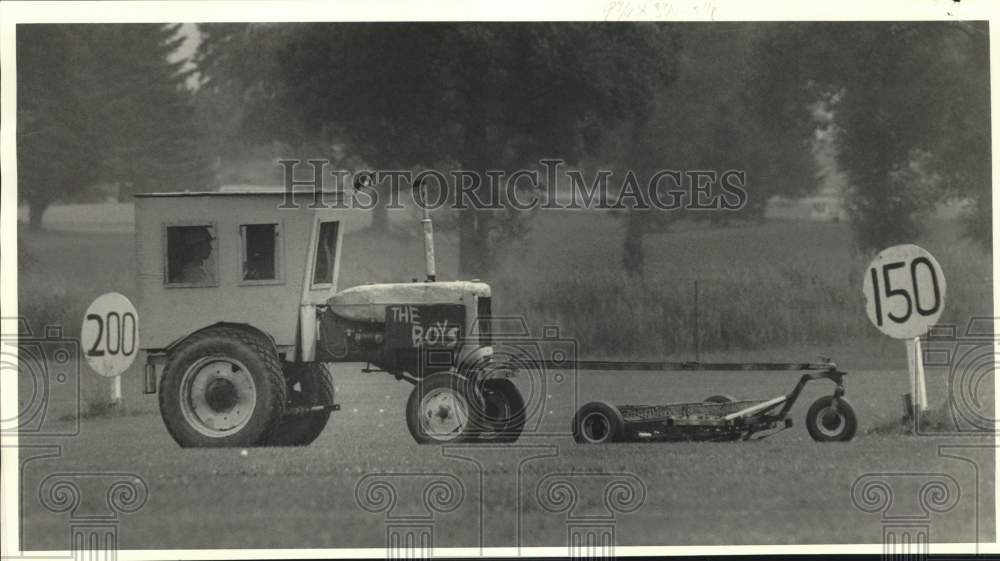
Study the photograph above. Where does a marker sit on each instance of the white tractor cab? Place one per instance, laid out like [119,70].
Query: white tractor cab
[242,317]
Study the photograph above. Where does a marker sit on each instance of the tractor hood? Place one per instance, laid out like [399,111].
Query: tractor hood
[368,302]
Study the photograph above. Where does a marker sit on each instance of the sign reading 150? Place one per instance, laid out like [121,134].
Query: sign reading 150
[904,289]
[913,303]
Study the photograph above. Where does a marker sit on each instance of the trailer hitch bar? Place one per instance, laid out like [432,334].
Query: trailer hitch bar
[306,409]
[677,366]
[826,369]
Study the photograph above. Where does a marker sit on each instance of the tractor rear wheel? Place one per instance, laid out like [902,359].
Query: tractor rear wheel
[222,387]
[306,385]
[442,408]
[504,415]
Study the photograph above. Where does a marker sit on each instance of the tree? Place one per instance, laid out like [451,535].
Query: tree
[102,102]
[148,115]
[721,114]
[911,105]
[963,155]
[482,95]
[57,121]
[235,63]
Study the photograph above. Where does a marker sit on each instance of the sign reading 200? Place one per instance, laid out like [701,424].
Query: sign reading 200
[116,333]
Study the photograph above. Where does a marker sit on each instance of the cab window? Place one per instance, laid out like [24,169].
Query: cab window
[326,253]
[191,258]
[261,256]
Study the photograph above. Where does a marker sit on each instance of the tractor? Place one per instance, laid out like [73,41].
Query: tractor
[243,318]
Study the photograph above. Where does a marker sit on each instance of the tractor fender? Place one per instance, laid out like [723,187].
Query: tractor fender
[472,358]
[242,326]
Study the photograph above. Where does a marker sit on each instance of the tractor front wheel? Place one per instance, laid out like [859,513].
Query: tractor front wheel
[222,387]
[442,408]
[504,414]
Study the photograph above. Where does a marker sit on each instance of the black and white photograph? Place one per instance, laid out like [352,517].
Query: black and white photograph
[601,279]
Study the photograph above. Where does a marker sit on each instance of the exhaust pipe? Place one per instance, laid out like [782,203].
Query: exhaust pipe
[429,245]
[428,235]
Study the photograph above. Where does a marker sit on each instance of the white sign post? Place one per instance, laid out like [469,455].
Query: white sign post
[110,338]
[904,290]
[915,363]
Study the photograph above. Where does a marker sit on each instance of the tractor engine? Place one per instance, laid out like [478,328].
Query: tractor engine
[418,328]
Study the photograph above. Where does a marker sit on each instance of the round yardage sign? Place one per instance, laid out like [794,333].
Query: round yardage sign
[110,334]
[904,291]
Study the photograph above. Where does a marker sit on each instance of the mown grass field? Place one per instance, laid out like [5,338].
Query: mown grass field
[771,291]
[782,490]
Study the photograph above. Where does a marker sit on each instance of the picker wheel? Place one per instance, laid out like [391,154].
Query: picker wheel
[598,422]
[504,414]
[831,419]
[720,398]
[222,387]
[305,385]
[441,409]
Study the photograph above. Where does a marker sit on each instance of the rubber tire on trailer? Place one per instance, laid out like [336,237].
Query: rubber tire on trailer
[845,414]
[257,355]
[598,411]
[502,394]
[721,398]
[443,383]
[315,388]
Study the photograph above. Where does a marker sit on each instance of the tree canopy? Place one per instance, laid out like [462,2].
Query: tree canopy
[910,103]
[484,96]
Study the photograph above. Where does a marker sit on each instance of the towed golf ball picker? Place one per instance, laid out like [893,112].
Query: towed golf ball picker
[719,417]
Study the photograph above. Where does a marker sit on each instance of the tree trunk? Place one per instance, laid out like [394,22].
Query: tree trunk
[473,228]
[632,253]
[469,246]
[485,249]
[633,258]
[380,214]
[36,209]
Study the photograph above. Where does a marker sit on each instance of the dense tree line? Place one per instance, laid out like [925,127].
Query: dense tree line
[905,104]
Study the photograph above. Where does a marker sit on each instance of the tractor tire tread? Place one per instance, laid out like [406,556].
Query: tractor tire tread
[298,430]
[259,344]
